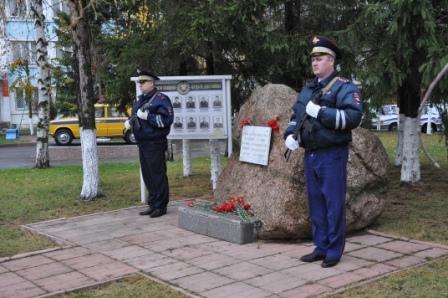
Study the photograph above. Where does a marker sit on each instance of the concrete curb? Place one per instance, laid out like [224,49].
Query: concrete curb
[17,145]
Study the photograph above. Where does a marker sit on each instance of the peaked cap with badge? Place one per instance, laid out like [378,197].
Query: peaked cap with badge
[144,75]
[321,45]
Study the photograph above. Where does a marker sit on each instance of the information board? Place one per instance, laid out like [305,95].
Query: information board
[201,106]
[255,144]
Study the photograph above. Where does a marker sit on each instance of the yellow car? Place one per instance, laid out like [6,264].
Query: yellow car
[108,120]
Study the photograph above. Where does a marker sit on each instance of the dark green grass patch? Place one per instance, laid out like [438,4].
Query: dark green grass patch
[135,286]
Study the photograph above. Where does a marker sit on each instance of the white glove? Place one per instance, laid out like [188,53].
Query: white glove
[142,115]
[127,125]
[291,143]
[312,109]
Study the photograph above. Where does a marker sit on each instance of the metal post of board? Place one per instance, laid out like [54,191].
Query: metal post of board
[143,190]
[229,116]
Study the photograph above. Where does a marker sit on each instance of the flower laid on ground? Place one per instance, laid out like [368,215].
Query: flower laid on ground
[233,205]
[273,123]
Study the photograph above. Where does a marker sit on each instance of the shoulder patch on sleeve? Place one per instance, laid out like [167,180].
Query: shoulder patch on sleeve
[357,97]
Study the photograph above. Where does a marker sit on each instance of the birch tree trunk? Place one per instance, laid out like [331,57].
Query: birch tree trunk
[215,165]
[399,148]
[186,157]
[91,187]
[30,125]
[410,168]
[42,153]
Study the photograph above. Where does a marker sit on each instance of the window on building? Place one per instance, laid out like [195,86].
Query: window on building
[61,51]
[20,99]
[21,102]
[19,49]
[32,51]
[59,6]
[17,8]
[65,7]
[24,50]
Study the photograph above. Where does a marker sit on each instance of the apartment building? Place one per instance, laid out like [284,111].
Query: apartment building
[17,41]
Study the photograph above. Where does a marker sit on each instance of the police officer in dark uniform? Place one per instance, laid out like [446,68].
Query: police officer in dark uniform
[325,135]
[151,119]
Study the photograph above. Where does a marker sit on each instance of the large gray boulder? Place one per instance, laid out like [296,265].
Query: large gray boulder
[277,192]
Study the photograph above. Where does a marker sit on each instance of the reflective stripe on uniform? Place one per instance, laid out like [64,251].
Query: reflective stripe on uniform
[159,121]
[343,119]
[338,116]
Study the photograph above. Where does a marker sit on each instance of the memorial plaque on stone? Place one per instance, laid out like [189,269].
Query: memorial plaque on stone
[255,144]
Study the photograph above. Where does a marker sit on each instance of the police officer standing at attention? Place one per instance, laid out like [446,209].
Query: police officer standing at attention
[151,119]
[322,122]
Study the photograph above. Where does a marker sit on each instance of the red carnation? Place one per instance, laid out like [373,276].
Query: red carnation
[274,125]
[245,121]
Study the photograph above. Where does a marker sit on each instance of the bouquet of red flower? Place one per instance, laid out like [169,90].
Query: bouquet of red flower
[231,205]
[234,204]
[245,121]
[271,123]
[274,124]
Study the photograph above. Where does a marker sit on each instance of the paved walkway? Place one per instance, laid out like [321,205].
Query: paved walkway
[106,246]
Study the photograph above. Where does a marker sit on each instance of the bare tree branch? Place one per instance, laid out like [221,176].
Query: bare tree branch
[422,104]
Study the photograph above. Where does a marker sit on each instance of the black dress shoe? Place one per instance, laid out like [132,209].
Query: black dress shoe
[311,258]
[157,213]
[147,211]
[329,263]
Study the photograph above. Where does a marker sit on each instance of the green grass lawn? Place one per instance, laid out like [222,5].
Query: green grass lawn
[418,212]
[435,144]
[135,286]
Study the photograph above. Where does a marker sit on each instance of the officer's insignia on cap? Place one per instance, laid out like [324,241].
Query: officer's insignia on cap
[321,45]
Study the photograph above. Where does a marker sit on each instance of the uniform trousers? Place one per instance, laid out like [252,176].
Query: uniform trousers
[326,184]
[153,165]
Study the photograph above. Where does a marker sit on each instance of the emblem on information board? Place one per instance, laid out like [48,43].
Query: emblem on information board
[183,87]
